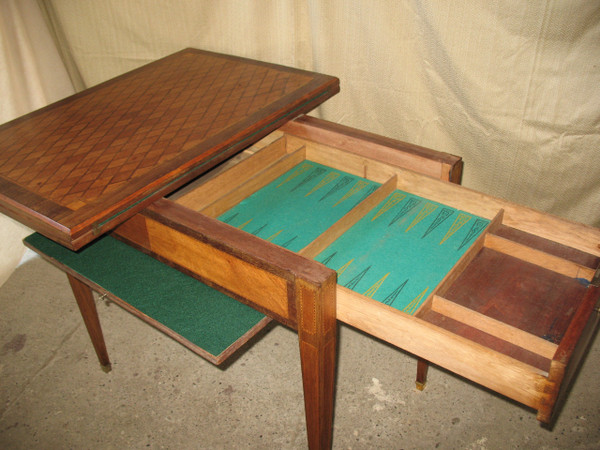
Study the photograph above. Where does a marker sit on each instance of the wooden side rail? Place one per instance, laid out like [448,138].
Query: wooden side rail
[423,160]
[295,291]
[570,353]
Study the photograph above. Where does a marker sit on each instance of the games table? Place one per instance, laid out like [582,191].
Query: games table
[313,224]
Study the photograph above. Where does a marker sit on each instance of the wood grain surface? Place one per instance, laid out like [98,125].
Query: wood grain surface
[78,167]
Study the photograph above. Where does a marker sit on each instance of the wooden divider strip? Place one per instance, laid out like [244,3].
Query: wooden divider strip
[460,265]
[538,257]
[214,188]
[494,327]
[362,143]
[348,220]
[258,181]
[347,162]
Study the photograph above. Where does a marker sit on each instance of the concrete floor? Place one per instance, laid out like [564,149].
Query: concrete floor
[53,394]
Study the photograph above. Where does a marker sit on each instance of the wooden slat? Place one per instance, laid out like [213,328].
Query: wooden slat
[494,327]
[537,257]
[517,380]
[348,220]
[217,186]
[345,161]
[390,151]
[258,181]
[460,265]
[547,246]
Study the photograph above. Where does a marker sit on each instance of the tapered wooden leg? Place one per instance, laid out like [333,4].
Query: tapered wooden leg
[317,334]
[87,306]
[422,367]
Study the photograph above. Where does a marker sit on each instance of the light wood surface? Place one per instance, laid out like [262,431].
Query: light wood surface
[220,268]
[236,175]
[252,184]
[402,154]
[542,259]
[512,378]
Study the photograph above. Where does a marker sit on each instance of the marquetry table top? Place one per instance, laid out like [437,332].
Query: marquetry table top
[81,166]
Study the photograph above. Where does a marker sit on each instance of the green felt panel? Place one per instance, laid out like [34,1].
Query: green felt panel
[400,251]
[397,254]
[301,204]
[208,318]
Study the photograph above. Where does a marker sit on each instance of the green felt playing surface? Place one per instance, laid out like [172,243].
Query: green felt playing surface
[401,250]
[397,254]
[204,316]
[301,204]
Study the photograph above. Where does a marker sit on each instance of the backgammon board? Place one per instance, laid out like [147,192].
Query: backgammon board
[499,293]
[396,254]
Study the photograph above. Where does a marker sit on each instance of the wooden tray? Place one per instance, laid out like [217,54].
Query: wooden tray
[79,167]
[513,312]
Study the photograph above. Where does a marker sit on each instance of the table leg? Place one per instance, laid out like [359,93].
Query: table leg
[87,307]
[317,331]
[422,367]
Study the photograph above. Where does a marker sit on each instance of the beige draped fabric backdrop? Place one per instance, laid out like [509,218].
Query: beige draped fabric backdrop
[31,76]
[513,87]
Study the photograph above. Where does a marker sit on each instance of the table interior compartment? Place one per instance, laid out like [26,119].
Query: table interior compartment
[513,298]
[511,291]
[384,243]
[483,319]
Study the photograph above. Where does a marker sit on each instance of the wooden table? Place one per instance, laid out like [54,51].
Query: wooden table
[513,308]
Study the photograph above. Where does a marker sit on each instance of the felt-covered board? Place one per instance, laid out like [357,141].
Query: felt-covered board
[396,254]
[200,314]
[298,206]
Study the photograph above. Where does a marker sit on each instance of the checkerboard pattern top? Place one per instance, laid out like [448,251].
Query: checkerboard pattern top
[114,145]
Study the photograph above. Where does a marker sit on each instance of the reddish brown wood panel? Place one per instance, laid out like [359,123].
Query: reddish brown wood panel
[87,307]
[519,294]
[80,166]
[317,330]
[571,353]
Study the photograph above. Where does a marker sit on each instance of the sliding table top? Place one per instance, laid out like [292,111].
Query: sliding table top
[81,166]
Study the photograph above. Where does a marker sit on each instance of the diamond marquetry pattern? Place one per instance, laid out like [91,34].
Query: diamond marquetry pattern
[118,132]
